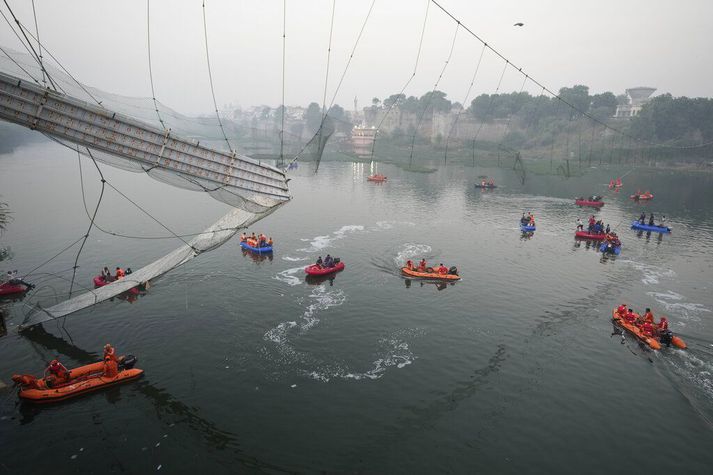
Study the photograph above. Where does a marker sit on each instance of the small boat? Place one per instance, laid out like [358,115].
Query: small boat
[82,380]
[12,289]
[314,269]
[653,341]
[433,275]
[251,245]
[642,196]
[605,247]
[99,281]
[527,229]
[587,235]
[648,227]
[377,177]
[486,186]
[594,204]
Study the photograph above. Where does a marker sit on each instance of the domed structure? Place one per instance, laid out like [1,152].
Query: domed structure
[638,96]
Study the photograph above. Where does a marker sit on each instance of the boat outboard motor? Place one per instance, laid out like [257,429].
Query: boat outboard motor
[337,260]
[129,361]
[666,337]
[453,270]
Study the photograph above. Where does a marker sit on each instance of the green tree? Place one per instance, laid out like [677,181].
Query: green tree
[313,117]
[577,96]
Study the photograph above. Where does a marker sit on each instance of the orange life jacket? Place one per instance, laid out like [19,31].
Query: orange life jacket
[647,328]
[120,273]
[649,317]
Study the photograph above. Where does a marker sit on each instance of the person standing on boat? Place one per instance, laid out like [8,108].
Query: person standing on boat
[642,218]
[651,219]
[106,275]
[110,353]
[662,223]
[443,270]
[648,316]
[580,225]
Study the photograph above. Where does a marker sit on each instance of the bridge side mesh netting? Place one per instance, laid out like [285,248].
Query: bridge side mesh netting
[129,133]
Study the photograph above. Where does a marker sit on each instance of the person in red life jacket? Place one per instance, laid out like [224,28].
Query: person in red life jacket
[443,270]
[648,316]
[109,352]
[630,316]
[58,373]
[663,324]
[111,367]
[422,265]
[409,264]
[269,241]
[611,183]
[621,310]
[491,182]
[119,273]
[243,237]
[647,328]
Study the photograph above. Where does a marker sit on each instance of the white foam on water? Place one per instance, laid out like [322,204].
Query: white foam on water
[294,259]
[409,251]
[651,274]
[288,276]
[695,370]
[672,301]
[383,225]
[318,243]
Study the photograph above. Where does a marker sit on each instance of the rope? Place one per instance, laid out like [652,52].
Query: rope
[465,100]
[415,67]
[572,106]
[210,77]
[490,106]
[433,92]
[148,42]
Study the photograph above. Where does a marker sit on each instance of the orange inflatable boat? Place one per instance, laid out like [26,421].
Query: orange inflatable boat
[82,380]
[653,341]
[428,275]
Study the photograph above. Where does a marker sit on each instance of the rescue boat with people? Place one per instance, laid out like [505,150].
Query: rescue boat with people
[527,229]
[431,274]
[648,227]
[593,204]
[253,246]
[82,380]
[377,177]
[100,281]
[587,235]
[314,269]
[655,341]
[642,196]
[7,288]
[606,248]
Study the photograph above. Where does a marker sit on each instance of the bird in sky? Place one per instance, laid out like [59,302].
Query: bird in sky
[519,24]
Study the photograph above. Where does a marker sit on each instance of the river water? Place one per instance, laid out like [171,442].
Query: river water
[251,369]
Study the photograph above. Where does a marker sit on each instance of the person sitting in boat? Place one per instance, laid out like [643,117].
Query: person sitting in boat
[328,261]
[663,325]
[580,225]
[13,279]
[532,220]
[253,237]
[630,316]
[648,316]
[269,241]
[611,183]
[120,274]
[647,328]
[409,264]
[319,262]
[111,367]
[128,270]
[491,182]
[106,275]
[607,230]
[243,237]
[109,352]
[591,222]
[621,310]
[422,265]
[482,183]
[651,219]
[524,220]
[442,270]
[58,373]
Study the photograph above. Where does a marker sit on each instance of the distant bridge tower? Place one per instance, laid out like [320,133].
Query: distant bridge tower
[638,96]
[356,107]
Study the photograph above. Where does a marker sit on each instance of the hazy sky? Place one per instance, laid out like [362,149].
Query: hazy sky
[607,44]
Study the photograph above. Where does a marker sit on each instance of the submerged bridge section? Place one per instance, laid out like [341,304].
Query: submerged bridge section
[235,179]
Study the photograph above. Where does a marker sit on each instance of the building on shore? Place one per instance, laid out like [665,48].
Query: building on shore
[362,140]
[638,96]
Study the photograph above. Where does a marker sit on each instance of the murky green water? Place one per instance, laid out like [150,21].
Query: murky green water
[249,368]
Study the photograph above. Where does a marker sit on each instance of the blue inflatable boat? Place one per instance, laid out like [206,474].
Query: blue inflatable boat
[259,250]
[526,229]
[646,227]
[616,250]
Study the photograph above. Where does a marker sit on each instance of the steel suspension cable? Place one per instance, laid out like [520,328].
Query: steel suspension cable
[282,110]
[413,74]
[465,100]
[148,44]
[433,92]
[210,77]
[39,45]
